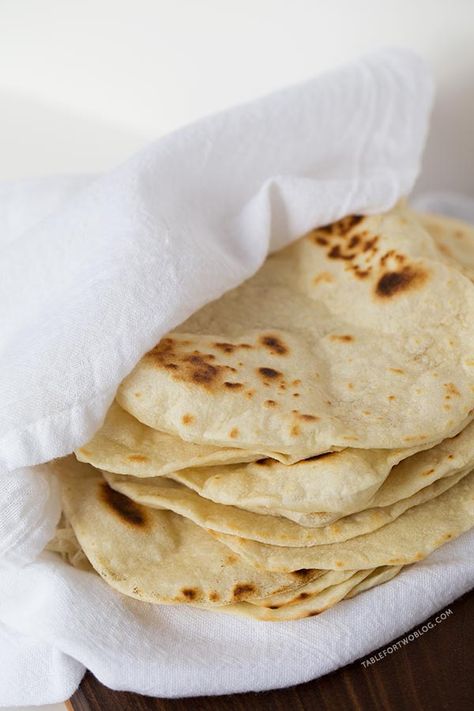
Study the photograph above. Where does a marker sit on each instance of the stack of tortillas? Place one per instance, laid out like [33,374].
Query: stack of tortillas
[297,441]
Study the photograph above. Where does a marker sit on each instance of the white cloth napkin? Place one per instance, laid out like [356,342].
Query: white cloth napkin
[93,271]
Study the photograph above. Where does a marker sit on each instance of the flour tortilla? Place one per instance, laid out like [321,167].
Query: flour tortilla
[454,239]
[327,579]
[342,482]
[163,493]
[157,556]
[450,456]
[333,482]
[308,607]
[411,537]
[411,475]
[126,446]
[356,335]
[303,602]
[377,577]
[67,546]
[314,605]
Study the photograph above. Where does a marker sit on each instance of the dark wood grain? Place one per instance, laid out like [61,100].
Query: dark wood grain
[435,672]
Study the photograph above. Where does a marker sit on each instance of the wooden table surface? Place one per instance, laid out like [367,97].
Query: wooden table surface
[432,673]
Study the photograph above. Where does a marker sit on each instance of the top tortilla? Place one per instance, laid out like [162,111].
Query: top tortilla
[356,335]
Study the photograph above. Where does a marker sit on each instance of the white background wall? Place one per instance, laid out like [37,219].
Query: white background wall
[83,83]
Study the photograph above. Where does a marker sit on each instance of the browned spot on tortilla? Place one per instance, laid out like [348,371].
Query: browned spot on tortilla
[337,253]
[296,394]
[314,613]
[196,358]
[399,371]
[356,250]
[323,277]
[444,249]
[295,431]
[137,394]
[249,394]
[270,403]
[370,244]
[165,345]
[242,589]
[193,367]
[189,593]
[234,433]
[392,397]
[451,389]
[344,338]
[450,456]
[214,596]
[187,419]
[273,607]
[232,386]
[269,373]
[393,283]
[231,347]
[339,563]
[350,386]
[427,472]
[231,559]
[309,418]
[265,462]
[204,373]
[303,596]
[137,458]
[385,257]
[126,509]
[343,226]
[274,344]
[85,451]
[136,591]
[225,347]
